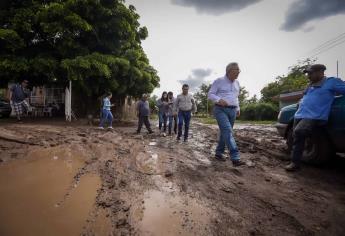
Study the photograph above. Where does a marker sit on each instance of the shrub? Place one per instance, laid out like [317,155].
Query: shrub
[259,111]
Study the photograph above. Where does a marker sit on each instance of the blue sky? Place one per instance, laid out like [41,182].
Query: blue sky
[193,40]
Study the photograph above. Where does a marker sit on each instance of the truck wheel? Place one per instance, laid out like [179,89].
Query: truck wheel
[317,148]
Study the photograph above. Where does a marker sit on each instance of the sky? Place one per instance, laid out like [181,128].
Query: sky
[192,41]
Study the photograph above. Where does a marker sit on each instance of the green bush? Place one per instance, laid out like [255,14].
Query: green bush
[259,111]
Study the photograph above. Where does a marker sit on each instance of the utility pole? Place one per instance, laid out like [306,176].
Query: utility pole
[337,69]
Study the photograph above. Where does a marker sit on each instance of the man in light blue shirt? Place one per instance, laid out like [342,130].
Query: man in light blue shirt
[224,93]
[313,110]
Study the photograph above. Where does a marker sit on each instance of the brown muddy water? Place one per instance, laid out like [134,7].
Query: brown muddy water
[39,195]
[169,214]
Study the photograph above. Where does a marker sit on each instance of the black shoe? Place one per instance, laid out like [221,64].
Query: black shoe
[292,167]
[185,140]
[219,158]
[137,132]
[238,163]
[151,132]
[178,138]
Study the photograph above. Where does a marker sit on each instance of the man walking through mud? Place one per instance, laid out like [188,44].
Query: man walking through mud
[184,106]
[143,110]
[224,93]
[313,110]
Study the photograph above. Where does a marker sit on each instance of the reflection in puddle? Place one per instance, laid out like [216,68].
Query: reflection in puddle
[168,214]
[32,187]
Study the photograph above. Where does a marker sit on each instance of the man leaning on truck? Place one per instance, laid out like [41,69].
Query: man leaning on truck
[313,110]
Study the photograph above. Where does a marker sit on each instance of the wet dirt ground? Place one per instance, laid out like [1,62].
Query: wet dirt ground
[62,179]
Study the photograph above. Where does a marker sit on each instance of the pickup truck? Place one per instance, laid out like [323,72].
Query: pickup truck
[323,143]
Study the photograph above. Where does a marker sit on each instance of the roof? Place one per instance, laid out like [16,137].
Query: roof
[293,96]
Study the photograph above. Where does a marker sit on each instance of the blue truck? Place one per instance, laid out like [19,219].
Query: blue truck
[324,143]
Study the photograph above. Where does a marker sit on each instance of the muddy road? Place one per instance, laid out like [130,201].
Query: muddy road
[77,180]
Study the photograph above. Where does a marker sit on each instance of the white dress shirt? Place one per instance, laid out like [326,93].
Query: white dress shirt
[224,88]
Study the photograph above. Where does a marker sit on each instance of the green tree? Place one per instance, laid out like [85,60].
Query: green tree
[152,102]
[96,44]
[294,81]
[204,106]
[243,97]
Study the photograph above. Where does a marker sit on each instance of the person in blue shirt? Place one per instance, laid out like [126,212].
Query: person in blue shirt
[314,109]
[106,112]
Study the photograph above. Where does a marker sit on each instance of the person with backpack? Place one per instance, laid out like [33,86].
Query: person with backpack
[106,112]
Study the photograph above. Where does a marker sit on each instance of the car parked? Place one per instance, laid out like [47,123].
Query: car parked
[5,108]
[323,143]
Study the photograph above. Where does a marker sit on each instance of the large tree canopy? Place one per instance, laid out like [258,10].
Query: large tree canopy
[96,43]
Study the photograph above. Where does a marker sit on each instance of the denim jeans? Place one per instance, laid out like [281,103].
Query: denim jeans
[184,117]
[170,122]
[302,128]
[162,121]
[226,118]
[106,116]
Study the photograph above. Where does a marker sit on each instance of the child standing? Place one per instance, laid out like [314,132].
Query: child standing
[106,112]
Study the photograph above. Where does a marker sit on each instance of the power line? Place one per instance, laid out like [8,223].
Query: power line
[328,43]
[328,48]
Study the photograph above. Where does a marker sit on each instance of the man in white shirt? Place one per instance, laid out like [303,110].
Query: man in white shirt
[224,93]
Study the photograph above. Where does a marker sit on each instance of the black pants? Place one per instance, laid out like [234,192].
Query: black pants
[175,124]
[303,128]
[144,120]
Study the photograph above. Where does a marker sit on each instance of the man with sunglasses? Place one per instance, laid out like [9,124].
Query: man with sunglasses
[18,96]
[224,93]
[314,109]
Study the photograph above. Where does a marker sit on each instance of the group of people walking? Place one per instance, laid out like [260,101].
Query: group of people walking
[313,111]
[176,112]
[224,93]
[173,113]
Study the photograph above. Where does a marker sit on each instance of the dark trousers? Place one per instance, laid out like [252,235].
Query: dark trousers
[175,124]
[144,120]
[302,129]
[183,117]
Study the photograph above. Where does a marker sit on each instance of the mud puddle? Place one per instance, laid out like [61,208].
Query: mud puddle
[162,213]
[40,196]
